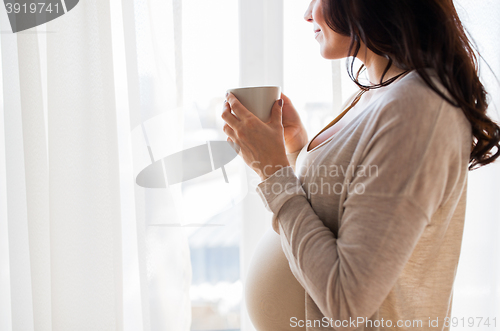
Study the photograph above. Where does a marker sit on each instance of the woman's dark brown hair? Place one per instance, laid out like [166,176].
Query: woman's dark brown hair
[415,35]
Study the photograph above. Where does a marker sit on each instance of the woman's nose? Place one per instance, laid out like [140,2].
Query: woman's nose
[308,13]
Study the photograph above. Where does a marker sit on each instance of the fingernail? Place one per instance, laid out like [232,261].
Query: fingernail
[227,94]
[280,102]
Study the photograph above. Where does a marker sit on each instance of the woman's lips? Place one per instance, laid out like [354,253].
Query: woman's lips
[316,33]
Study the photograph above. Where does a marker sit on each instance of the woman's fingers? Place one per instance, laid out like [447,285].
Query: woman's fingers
[240,110]
[227,116]
[230,126]
[229,131]
[276,112]
[231,121]
[285,98]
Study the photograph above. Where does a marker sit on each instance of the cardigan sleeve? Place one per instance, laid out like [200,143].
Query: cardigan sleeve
[292,158]
[279,179]
[349,275]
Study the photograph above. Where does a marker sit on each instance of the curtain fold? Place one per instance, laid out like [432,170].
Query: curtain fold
[21,297]
[36,175]
[84,190]
[154,74]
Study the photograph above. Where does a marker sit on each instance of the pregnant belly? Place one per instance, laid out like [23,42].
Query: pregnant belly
[273,294]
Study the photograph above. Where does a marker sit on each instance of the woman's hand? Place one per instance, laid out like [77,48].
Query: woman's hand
[260,144]
[294,131]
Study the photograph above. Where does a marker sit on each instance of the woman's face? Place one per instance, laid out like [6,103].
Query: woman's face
[332,44]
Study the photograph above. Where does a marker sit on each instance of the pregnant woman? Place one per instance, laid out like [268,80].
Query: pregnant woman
[368,216]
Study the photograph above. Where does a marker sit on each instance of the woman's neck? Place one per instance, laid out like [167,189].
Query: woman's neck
[375,66]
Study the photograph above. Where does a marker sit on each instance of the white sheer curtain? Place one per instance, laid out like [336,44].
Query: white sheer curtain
[61,263]
[77,251]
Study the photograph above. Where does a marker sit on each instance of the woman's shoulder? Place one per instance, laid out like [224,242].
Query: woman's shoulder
[411,101]
[418,142]
[411,120]
[412,91]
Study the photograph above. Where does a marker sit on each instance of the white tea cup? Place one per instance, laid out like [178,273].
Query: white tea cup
[259,100]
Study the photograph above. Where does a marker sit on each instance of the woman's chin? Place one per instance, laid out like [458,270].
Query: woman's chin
[325,54]
[329,54]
